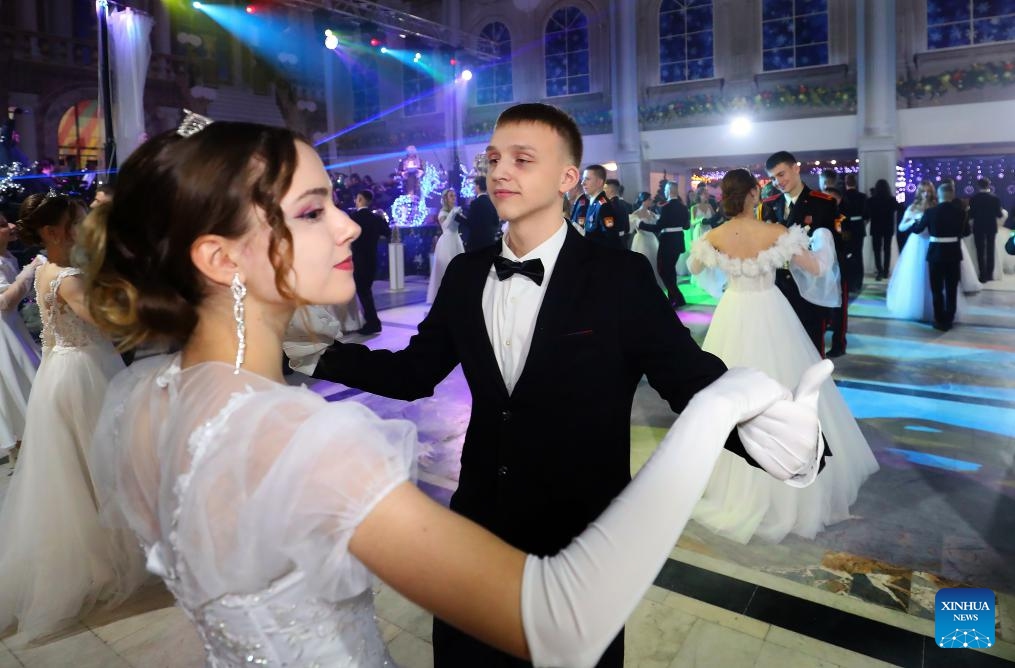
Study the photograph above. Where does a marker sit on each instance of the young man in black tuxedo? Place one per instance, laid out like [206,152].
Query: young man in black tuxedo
[554,333]
[984,210]
[364,258]
[481,225]
[947,224]
[674,218]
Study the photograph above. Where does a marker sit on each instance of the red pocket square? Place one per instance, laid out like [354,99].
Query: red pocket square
[581,332]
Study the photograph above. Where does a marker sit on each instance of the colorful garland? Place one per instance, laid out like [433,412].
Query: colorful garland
[976,76]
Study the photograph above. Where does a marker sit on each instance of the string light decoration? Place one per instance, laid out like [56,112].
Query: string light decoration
[468,184]
[1000,169]
[407,212]
[430,183]
[9,186]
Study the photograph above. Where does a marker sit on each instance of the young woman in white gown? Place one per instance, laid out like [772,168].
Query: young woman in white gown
[908,296]
[55,559]
[263,506]
[753,325]
[19,354]
[448,245]
[1004,264]
[645,242]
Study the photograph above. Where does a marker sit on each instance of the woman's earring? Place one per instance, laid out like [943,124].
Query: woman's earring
[239,293]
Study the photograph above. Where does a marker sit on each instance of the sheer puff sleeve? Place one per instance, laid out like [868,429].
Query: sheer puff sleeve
[289,482]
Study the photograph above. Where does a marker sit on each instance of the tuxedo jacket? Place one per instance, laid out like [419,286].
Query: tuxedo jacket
[947,219]
[984,210]
[481,225]
[540,463]
[364,247]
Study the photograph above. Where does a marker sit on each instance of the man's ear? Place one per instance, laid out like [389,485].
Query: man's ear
[569,179]
[210,254]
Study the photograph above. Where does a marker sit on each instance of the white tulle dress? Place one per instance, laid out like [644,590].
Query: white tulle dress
[908,296]
[55,559]
[1004,264]
[448,246]
[244,494]
[19,359]
[753,325]
[645,242]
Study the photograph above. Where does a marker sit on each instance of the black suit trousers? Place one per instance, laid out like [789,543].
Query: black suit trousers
[811,316]
[454,649]
[984,239]
[666,260]
[363,277]
[944,287]
[882,242]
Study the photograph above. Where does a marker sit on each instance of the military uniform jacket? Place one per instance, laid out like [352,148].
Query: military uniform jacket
[947,220]
[541,462]
[602,222]
[984,210]
[579,209]
[672,216]
[813,209]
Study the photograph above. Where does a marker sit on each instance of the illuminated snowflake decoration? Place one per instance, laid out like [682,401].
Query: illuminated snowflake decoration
[430,183]
[468,185]
[407,212]
[8,184]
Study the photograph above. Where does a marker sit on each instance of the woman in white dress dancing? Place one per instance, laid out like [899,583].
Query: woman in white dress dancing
[262,505]
[644,241]
[56,561]
[448,245]
[753,325]
[19,355]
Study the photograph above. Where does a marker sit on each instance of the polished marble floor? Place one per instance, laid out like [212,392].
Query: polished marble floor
[939,412]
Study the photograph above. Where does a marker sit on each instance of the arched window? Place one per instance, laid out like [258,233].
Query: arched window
[685,40]
[963,22]
[567,53]
[493,81]
[794,33]
[366,99]
[417,91]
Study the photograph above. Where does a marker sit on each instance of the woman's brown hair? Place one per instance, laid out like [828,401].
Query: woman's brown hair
[39,211]
[142,285]
[736,185]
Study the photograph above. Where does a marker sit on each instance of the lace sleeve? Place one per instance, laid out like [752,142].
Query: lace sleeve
[785,247]
[706,263]
[291,480]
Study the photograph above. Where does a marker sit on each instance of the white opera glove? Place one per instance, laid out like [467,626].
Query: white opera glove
[785,439]
[11,295]
[575,602]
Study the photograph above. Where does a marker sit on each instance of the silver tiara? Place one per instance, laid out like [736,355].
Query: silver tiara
[192,123]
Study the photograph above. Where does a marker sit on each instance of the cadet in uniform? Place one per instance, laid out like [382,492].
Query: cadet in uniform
[602,222]
[797,204]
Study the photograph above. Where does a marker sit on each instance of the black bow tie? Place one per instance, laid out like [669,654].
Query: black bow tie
[507,268]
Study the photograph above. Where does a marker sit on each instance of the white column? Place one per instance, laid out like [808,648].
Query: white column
[454,97]
[624,93]
[877,144]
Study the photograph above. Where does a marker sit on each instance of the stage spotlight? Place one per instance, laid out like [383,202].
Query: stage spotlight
[418,55]
[197,5]
[466,75]
[384,49]
[740,126]
[251,9]
[453,62]
[330,41]
[375,42]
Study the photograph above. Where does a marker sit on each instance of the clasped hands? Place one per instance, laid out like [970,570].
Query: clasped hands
[780,430]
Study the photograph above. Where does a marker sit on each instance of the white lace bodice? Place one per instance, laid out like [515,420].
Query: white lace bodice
[244,494]
[756,273]
[62,329]
[639,215]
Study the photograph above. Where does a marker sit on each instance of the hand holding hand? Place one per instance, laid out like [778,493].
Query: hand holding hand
[785,439]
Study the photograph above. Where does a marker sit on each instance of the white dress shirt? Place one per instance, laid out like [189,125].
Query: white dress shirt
[790,201]
[510,306]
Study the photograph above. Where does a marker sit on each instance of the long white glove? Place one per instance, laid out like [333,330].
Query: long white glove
[785,440]
[11,295]
[575,602]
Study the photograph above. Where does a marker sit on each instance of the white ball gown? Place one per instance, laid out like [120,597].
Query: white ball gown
[1004,264]
[19,358]
[908,296]
[646,243]
[55,558]
[245,493]
[754,326]
[448,246]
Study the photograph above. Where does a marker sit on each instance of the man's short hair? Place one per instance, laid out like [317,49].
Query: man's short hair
[983,183]
[851,180]
[598,170]
[367,195]
[830,175]
[779,158]
[833,190]
[945,190]
[615,183]
[480,182]
[556,119]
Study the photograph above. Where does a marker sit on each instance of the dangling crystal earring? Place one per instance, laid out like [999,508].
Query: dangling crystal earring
[239,293]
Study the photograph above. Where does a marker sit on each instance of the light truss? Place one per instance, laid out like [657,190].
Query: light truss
[401,22]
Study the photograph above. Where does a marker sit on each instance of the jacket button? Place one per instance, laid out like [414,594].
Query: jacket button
[505,416]
[502,471]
